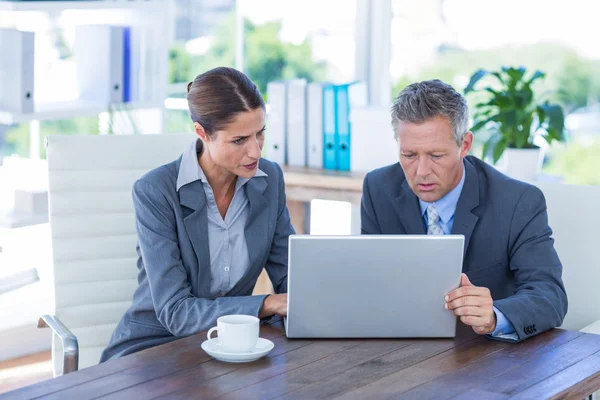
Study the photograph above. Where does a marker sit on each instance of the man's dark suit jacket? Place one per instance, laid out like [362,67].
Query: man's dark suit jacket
[508,243]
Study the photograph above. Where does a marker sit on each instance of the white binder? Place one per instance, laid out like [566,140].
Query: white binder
[99,58]
[314,123]
[16,71]
[276,122]
[296,147]
[137,65]
[373,145]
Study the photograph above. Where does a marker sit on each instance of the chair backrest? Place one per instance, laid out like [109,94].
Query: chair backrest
[574,216]
[93,229]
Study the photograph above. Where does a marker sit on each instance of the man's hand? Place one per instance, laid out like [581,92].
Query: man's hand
[474,306]
[275,304]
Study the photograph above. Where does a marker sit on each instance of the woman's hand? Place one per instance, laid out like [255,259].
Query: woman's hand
[275,304]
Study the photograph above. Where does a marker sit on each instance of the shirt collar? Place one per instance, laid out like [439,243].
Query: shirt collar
[446,206]
[190,171]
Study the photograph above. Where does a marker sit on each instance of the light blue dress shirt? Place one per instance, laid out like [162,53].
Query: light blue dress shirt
[446,208]
[229,259]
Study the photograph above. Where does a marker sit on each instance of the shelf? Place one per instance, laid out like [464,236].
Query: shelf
[72,109]
[79,5]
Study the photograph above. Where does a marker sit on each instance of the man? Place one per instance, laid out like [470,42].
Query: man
[511,287]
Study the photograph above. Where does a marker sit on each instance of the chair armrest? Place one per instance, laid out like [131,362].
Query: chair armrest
[593,328]
[68,339]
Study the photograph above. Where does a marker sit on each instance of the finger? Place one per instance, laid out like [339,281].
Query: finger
[473,321]
[464,280]
[466,291]
[480,330]
[474,301]
[470,311]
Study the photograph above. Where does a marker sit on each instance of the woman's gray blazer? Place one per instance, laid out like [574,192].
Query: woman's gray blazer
[172,299]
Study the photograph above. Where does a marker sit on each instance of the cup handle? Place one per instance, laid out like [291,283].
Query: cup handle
[210,331]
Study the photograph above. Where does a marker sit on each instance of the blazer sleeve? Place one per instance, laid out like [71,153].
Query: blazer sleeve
[177,309]
[539,302]
[277,263]
[368,219]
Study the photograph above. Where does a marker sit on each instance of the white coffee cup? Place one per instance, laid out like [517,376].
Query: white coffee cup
[236,333]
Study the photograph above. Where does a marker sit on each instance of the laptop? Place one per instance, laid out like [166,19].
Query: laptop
[372,286]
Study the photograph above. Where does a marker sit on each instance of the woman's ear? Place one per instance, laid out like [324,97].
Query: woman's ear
[200,132]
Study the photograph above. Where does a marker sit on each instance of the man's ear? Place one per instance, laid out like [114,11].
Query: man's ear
[467,143]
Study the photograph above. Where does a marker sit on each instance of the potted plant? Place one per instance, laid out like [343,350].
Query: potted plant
[511,112]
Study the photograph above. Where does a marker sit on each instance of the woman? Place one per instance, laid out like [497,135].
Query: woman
[208,223]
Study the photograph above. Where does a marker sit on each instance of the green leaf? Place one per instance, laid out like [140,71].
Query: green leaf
[538,74]
[556,120]
[490,144]
[523,97]
[482,114]
[498,76]
[502,100]
[553,135]
[481,123]
[548,137]
[486,148]
[474,79]
[516,74]
[522,138]
[541,115]
[499,149]
[510,118]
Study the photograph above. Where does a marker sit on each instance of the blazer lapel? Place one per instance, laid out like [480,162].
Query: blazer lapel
[464,219]
[409,211]
[193,197]
[257,227]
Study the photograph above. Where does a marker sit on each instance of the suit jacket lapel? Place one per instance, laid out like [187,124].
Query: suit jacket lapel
[409,211]
[256,231]
[193,197]
[464,219]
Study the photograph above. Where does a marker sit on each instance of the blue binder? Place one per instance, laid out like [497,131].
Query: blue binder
[342,137]
[329,128]
[126,64]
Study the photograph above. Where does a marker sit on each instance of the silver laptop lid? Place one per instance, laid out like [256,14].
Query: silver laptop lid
[372,285]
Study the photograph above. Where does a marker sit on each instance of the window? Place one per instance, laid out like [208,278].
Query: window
[281,40]
[451,39]
[289,39]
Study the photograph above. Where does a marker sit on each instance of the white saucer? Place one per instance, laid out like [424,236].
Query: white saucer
[213,348]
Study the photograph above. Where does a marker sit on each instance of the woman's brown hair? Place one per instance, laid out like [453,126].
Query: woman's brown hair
[217,96]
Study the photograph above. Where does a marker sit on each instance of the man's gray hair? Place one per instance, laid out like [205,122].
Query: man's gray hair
[422,101]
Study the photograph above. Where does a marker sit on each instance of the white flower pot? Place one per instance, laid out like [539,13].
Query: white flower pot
[521,164]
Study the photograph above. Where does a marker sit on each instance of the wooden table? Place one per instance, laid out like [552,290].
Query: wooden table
[305,184]
[556,364]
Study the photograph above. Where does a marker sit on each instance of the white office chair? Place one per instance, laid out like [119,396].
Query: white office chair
[93,235]
[574,217]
